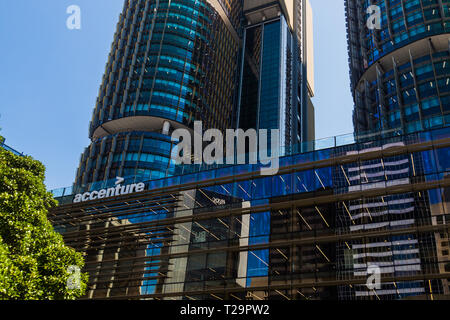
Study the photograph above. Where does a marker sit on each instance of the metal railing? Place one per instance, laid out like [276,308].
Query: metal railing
[7,148]
[342,141]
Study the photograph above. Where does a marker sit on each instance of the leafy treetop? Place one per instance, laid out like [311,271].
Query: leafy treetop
[34,261]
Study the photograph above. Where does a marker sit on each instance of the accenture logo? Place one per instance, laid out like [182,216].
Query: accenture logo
[118,190]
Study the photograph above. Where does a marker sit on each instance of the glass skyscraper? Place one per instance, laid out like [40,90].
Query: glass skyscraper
[277,75]
[171,63]
[227,63]
[400,79]
[400,72]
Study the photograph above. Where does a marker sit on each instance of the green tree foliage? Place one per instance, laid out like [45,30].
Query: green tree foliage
[34,261]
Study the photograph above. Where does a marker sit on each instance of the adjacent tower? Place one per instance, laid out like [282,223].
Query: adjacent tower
[277,72]
[400,79]
[400,72]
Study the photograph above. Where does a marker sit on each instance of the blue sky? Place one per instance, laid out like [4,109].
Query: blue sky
[50,76]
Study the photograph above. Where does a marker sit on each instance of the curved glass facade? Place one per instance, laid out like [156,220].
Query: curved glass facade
[169,65]
[400,73]
[134,156]
[166,62]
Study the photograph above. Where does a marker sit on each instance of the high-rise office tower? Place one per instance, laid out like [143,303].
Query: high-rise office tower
[227,63]
[400,79]
[172,62]
[399,64]
[277,73]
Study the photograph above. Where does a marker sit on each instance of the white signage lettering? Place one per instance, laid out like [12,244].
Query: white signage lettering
[118,190]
